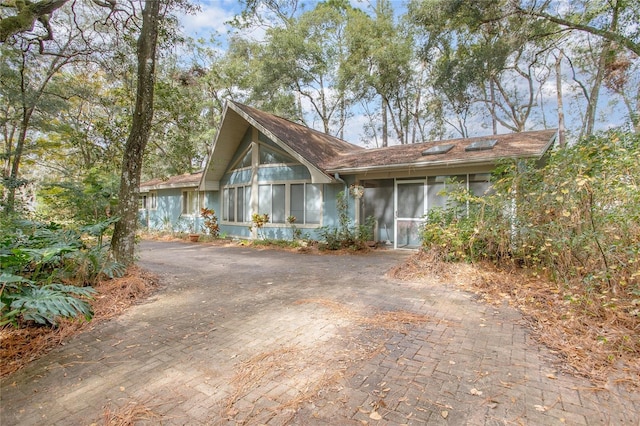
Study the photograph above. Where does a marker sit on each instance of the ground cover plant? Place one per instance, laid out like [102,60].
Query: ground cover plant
[573,224]
[47,271]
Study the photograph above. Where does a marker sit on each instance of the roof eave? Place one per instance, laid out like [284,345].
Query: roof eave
[318,175]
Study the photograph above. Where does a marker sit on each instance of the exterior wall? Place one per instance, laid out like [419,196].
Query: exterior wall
[168,217]
[274,183]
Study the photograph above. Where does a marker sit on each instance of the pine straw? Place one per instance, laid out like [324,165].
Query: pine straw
[305,372]
[129,415]
[598,335]
[20,346]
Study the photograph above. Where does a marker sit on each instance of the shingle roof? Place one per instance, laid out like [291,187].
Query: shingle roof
[180,181]
[531,144]
[316,147]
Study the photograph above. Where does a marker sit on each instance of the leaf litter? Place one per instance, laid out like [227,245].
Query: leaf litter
[19,346]
[598,336]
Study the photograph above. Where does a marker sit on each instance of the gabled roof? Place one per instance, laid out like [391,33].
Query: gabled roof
[186,180]
[308,146]
[326,156]
[531,145]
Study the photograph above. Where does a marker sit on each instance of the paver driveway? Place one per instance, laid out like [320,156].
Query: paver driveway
[244,336]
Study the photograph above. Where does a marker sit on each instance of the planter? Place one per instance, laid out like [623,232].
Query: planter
[194,238]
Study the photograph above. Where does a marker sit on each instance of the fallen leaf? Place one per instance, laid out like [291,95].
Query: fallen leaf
[540,408]
[444,414]
[475,391]
[375,416]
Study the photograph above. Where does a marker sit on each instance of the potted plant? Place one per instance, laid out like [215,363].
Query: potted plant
[194,236]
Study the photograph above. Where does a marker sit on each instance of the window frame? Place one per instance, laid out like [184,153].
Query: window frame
[288,185]
[186,201]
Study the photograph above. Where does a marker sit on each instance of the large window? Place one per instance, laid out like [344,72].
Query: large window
[236,204]
[306,203]
[300,200]
[192,201]
[271,200]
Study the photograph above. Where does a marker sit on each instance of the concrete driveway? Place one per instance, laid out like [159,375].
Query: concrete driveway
[244,336]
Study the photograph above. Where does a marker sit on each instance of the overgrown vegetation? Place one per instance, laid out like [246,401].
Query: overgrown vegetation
[47,270]
[577,218]
[576,221]
[346,235]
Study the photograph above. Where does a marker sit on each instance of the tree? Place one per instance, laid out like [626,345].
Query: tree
[380,66]
[304,58]
[613,21]
[482,56]
[28,93]
[123,241]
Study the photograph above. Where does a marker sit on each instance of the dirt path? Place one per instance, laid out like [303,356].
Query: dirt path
[244,336]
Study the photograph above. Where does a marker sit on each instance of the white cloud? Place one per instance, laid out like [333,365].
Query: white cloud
[213,17]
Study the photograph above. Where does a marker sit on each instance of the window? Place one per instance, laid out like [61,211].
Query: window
[153,200]
[192,201]
[236,204]
[279,201]
[270,156]
[148,201]
[271,200]
[306,203]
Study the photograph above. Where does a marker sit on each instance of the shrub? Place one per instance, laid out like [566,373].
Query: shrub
[577,217]
[346,235]
[47,270]
[210,221]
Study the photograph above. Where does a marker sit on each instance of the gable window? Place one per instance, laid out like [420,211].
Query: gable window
[192,201]
[271,156]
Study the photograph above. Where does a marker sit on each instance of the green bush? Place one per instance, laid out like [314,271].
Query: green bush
[346,235]
[47,270]
[577,217]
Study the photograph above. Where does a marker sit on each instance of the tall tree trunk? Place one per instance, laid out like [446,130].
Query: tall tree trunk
[385,123]
[561,129]
[123,241]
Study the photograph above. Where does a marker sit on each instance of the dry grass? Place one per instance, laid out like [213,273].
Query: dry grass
[21,346]
[129,415]
[304,373]
[597,334]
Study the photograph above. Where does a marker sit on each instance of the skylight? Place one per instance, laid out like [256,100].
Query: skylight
[481,145]
[439,149]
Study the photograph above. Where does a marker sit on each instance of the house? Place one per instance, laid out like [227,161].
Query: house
[264,164]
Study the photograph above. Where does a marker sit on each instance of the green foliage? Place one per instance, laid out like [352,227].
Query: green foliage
[83,201]
[578,217]
[346,235]
[259,220]
[38,258]
[43,304]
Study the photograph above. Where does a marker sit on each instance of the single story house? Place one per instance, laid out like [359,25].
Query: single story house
[261,163]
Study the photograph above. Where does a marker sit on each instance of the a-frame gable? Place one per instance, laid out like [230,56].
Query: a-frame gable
[307,146]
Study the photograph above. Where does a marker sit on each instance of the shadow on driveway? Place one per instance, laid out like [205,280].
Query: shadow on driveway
[240,335]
